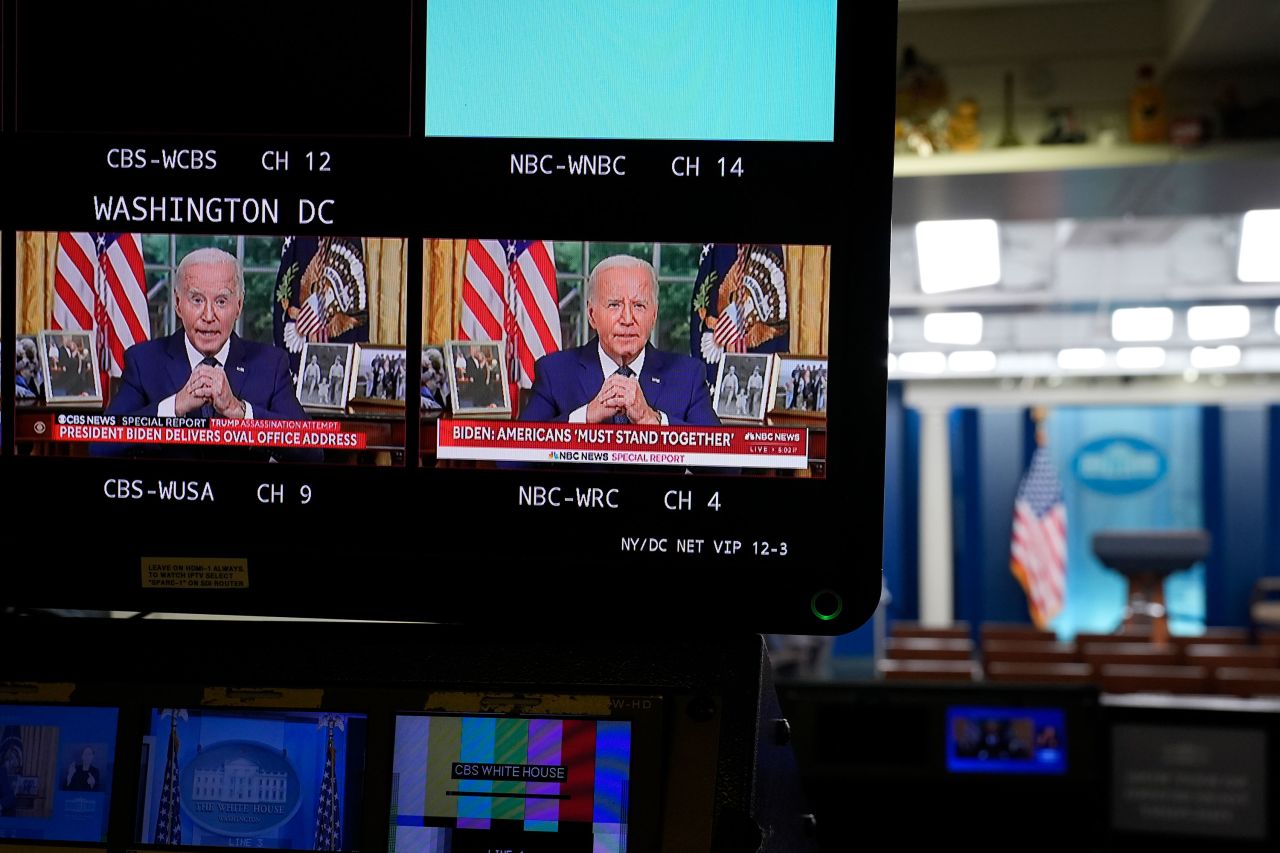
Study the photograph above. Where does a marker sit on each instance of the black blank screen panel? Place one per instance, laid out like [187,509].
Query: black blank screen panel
[238,66]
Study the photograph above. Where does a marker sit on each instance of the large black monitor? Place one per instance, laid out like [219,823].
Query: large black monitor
[614,247]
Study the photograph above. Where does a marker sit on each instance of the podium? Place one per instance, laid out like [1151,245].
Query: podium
[1146,558]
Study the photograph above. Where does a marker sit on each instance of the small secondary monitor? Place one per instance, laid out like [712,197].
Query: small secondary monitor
[480,783]
[264,779]
[1006,740]
[56,769]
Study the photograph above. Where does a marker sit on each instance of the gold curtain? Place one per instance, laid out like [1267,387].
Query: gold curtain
[384,264]
[443,267]
[809,289]
[36,255]
[40,758]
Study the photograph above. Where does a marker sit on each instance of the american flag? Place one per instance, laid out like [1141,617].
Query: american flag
[100,287]
[328,809]
[310,324]
[169,817]
[730,336]
[1039,549]
[509,294]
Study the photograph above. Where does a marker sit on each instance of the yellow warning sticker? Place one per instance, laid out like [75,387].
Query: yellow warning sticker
[195,573]
[32,691]
[262,697]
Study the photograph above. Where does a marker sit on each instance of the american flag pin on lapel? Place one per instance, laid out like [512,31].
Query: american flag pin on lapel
[655,379]
[239,368]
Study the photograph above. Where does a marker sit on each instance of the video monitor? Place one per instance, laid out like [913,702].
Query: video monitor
[1006,740]
[57,771]
[617,248]
[228,347]
[633,70]
[281,780]
[480,783]
[666,356]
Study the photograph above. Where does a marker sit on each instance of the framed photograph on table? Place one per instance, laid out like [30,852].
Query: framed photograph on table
[742,386]
[28,374]
[478,378]
[800,386]
[435,378]
[381,375]
[326,375]
[69,363]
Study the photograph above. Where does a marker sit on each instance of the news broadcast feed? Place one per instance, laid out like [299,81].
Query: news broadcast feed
[1006,740]
[285,780]
[628,354]
[56,769]
[482,783]
[174,346]
[470,221]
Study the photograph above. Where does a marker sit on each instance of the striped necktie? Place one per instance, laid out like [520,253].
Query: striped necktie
[621,417]
[206,411]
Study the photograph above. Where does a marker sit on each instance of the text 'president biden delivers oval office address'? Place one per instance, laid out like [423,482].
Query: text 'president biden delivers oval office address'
[617,376]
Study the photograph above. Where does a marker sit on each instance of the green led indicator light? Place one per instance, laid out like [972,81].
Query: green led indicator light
[821,612]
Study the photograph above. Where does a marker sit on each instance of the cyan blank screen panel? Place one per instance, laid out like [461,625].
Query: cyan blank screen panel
[642,69]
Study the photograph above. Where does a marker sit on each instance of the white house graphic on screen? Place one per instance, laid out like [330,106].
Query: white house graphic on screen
[240,781]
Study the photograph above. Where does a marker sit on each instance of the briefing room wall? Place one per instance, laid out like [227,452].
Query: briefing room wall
[901,507]
[861,643]
[1239,462]
[987,458]
[1240,487]
[1239,459]
[990,441]
[1130,468]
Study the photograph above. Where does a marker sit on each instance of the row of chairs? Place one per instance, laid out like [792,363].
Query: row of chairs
[1018,631]
[1220,661]
[1110,678]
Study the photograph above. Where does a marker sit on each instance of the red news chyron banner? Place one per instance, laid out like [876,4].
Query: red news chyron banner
[624,444]
[216,432]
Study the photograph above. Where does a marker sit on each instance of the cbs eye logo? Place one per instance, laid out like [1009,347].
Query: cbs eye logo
[62,419]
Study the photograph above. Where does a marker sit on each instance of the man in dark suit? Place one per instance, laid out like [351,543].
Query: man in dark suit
[617,377]
[475,392]
[204,369]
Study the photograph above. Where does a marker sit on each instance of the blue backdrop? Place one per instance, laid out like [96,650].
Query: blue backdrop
[1220,470]
[1126,469]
